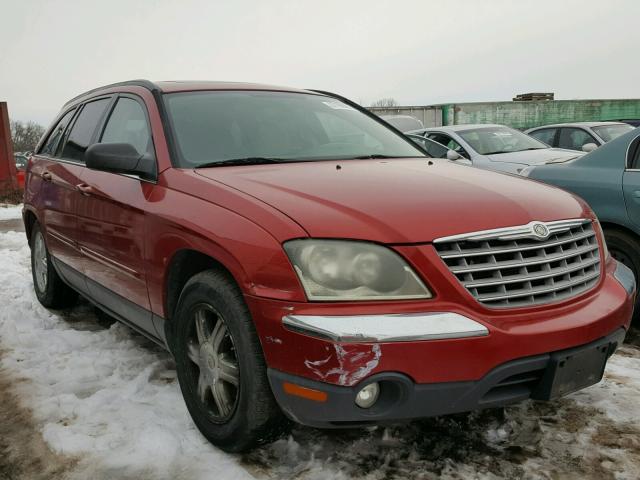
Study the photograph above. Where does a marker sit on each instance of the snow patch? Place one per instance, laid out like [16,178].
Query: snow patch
[10,212]
[106,395]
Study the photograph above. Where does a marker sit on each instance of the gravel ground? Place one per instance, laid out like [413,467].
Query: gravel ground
[83,397]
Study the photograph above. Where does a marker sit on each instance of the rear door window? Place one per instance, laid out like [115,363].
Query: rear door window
[574,138]
[56,134]
[546,135]
[128,124]
[83,130]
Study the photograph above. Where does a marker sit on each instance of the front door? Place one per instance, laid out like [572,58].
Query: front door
[111,221]
[631,182]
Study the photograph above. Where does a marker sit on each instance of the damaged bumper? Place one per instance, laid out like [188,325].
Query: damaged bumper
[541,377]
[432,362]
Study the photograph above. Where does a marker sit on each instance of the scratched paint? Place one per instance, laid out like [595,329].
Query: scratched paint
[353,363]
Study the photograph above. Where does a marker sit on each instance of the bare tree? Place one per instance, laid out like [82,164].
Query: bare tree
[25,135]
[385,103]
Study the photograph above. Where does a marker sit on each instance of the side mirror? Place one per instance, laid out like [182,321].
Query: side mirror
[589,147]
[453,155]
[120,158]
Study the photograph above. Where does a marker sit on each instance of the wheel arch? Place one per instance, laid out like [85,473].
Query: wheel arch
[606,225]
[184,264]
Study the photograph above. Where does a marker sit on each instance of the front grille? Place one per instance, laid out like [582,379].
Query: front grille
[526,265]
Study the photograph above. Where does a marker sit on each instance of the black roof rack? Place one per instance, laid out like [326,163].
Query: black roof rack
[137,83]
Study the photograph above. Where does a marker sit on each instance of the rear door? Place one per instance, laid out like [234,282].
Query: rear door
[111,218]
[66,171]
[631,182]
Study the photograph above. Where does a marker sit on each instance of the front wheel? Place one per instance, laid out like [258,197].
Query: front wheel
[220,366]
[625,248]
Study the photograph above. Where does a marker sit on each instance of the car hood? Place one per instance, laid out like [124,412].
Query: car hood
[536,157]
[397,201]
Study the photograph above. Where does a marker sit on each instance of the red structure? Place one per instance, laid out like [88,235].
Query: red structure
[8,179]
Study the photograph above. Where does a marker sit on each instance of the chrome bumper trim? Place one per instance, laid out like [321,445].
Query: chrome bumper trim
[386,328]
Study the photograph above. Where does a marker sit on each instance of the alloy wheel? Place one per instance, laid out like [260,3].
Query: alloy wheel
[40,262]
[215,370]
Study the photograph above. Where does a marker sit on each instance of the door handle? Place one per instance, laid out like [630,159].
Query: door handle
[46,176]
[85,189]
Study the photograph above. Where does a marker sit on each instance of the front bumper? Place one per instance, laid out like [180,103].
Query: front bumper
[539,377]
[454,371]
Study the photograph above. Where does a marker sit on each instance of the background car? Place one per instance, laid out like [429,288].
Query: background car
[404,123]
[21,160]
[634,122]
[495,147]
[609,180]
[584,136]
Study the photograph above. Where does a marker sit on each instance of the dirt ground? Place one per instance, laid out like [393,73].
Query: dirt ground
[23,453]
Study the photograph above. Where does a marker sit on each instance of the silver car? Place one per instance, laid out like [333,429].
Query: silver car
[585,136]
[495,147]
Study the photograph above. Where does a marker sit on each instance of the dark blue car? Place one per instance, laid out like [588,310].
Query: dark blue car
[609,180]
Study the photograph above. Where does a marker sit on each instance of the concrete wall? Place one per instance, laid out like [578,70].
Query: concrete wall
[520,115]
[532,114]
[430,116]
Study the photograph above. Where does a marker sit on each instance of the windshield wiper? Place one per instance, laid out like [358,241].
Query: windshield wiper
[513,151]
[376,156]
[242,161]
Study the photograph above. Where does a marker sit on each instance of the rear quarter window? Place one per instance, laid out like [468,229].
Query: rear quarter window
[83,130]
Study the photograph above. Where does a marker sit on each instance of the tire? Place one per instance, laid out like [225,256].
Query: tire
[626,249]
[50,289]
[215,345]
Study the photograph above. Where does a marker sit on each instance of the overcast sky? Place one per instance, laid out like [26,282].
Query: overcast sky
[418,52]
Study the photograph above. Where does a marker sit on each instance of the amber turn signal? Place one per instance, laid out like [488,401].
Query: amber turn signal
[304,392]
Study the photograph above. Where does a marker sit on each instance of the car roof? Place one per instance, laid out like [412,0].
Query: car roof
[457,128]
[189,86]
[579,124]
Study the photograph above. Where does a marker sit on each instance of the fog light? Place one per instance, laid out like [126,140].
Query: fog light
[368,395]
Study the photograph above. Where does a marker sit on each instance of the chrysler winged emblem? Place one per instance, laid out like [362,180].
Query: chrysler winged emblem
[540,230]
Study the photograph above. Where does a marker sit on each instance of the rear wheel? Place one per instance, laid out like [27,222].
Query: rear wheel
[220,366]
[50,289]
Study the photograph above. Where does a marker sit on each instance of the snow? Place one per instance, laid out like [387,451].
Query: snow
[108,397]
[10,212]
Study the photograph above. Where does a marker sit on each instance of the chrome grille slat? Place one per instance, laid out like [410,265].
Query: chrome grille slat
[516,266]
[532,291]
[522,278]
[473,253]
[497,266]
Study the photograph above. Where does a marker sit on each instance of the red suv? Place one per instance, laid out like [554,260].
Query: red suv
[302,259]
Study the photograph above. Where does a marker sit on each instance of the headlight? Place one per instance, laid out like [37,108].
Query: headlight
[350,270]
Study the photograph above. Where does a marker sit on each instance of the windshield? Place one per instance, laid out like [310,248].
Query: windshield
[219,126]
[494,140]
[609,132]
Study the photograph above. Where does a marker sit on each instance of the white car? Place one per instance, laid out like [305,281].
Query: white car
[495,147]
[404,123]
[585,136]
